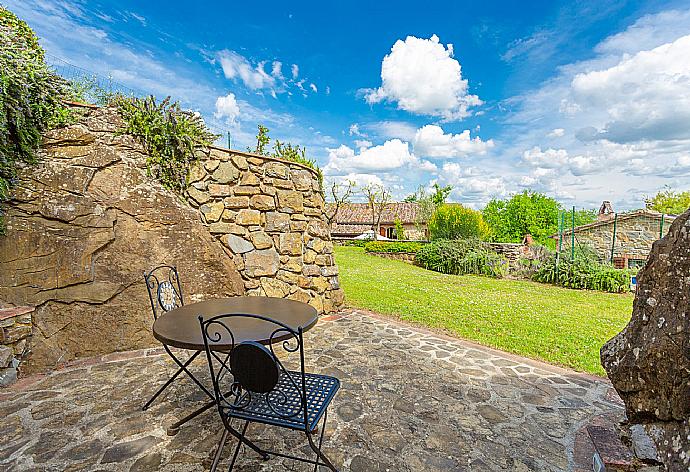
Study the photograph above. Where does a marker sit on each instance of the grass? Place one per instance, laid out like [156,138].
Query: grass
[557,325]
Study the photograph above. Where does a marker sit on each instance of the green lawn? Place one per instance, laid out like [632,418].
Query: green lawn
[557,325]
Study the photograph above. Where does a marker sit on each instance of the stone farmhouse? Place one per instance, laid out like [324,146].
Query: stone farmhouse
[631,240]
[353,219]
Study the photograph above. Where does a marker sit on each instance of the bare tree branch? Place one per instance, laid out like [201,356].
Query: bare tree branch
[341,193]
[378,198]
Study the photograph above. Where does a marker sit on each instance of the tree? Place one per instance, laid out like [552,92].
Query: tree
[262,141]
[457,222]
[524,213]
[440,194]
[378,198]
[427,202]
[340,193]
[669,202]
[399,229]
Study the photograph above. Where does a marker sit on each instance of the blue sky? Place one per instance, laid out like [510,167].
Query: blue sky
[584,101]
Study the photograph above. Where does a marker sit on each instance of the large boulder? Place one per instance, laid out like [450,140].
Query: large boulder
[82,229]
[649,361]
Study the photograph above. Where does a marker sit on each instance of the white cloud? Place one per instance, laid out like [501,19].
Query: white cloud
[388,156]
[363,143]
[431,141]
[355,131]
[313,88]
[392,129]
[276,70]
[648,32]
[227,108]
[423,77]
[235,66]
[645,96]
[295,71]
[551,158]
[556,133]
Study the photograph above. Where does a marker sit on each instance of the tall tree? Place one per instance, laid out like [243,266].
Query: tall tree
[669,201]
[378,198]
[524,213]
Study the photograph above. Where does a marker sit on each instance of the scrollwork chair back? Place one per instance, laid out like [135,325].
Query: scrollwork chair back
[165,290]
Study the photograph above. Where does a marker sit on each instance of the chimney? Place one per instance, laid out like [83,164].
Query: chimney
[605,211]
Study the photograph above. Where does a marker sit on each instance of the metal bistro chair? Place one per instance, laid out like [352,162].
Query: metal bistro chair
[251,384]
[165,294]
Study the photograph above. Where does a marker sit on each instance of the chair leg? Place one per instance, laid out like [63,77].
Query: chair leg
[317,449]
[237,448]
[189,374]
[183,368]
[323,429]
[219,451]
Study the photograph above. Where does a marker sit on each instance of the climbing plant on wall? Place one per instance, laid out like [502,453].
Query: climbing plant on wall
[170,135]
[30,99]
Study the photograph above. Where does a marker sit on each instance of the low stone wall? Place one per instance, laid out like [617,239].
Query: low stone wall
[397,256]
[269,215]
[15,330]
[513,252]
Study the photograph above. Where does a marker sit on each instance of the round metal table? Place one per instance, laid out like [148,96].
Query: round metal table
[180,327]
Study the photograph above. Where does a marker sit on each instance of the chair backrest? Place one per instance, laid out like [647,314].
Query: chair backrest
[165,291]
[255,370]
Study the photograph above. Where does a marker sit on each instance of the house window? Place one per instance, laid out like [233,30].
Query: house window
[390,233]
[636,263]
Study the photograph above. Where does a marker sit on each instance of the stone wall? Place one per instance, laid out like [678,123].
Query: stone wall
[82,228]
[16,328]
[269,215]
[396,256]
[634,237]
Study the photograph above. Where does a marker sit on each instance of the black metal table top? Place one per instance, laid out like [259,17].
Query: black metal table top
[180,327]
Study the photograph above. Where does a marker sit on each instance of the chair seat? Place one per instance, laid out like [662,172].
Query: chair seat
[282,406]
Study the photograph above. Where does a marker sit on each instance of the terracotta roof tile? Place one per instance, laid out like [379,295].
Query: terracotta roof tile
[360,214]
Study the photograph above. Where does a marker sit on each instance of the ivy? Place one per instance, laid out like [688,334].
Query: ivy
[30,99]
[170,135]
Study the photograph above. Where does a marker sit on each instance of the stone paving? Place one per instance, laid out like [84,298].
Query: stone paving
[411,400]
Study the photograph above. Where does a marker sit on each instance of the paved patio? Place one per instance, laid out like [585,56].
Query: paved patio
[411,400]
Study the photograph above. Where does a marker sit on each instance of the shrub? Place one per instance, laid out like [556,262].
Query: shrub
[382,246]
[584,272]
[30,98]
[457,222]
[169,134]
[355,242]
[458,257]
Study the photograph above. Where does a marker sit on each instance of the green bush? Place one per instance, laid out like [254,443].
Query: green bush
[30,98]
[584,272]
[383,246]
[355,242]
[457,222]
[464,256]
[170,135]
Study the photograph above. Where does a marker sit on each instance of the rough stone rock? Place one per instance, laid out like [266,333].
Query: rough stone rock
[277,222]
[6,356]
[247,217]
[290,201]
[226,173]
[648,362]
[80,234]
[261,263]
[236,244]
[263,202]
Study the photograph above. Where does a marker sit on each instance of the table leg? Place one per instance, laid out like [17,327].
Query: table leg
[175,427]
